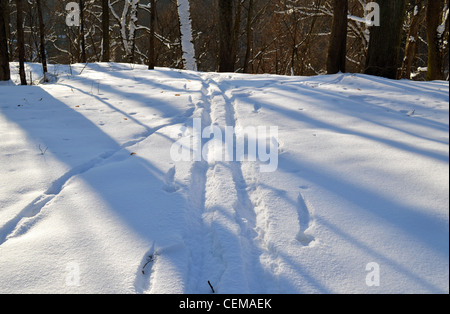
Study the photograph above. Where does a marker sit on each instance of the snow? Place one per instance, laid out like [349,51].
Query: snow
[91,200]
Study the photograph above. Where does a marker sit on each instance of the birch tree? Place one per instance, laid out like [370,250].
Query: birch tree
[127,23]
[187,41]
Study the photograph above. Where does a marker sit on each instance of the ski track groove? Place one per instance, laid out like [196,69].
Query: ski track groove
[226,268]
[203,256]
[246,213]
[221,214]
[196,230]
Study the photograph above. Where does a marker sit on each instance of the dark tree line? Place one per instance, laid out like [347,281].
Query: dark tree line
[296,37]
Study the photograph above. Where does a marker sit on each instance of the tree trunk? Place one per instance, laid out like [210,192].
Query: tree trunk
[133,30]
[413,38]
[434,38]
[42,40]
[151,49]
[5,74]
[105,31]
[187,41]
[226,59]
[249,45]
[21,42]
[384,46]
[236,30]
[83,41]
[338,42]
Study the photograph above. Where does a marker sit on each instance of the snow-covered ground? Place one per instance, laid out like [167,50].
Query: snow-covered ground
[92,200]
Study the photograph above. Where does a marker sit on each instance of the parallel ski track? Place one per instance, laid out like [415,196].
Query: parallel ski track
[228,252]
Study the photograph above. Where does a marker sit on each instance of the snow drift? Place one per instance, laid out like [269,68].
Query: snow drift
[92,202]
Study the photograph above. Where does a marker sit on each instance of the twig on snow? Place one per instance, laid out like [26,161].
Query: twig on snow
[210,285]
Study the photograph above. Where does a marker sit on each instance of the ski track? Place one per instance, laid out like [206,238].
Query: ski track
[222,206]
[225,246]
[194,239]
[228,237]
[246,215]
[200,239]
[263,257]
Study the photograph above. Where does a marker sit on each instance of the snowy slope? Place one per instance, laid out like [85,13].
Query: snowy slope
[92,201]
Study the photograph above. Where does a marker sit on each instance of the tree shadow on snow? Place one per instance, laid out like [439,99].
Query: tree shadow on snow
[131,186]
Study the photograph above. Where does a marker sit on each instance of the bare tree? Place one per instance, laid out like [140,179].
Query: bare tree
[151,51]
[338,40]
[82,34]
[415,19]
[42,40]
[257,36]
[21,42]
[226,58]
[437,22]
[127,23]
[187,44]
[236,31]
[385,40]
[105,31]
[4,55]
[249,40]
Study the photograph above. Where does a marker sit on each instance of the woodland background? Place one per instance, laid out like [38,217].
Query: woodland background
[285,37]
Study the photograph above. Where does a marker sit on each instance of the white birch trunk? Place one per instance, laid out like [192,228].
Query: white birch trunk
[187,42]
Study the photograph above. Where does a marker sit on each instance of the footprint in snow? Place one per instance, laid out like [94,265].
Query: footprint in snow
[304,216]
[170,186]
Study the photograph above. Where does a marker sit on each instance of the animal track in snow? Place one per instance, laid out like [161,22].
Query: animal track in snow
[304,216]
[170,186]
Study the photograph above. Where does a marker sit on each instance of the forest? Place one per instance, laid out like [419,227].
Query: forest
[395,39]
